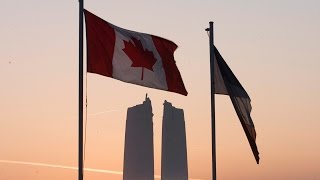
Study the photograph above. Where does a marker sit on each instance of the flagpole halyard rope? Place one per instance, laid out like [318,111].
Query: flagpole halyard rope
[86,123]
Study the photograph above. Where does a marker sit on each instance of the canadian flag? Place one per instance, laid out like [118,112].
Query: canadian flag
[130,56]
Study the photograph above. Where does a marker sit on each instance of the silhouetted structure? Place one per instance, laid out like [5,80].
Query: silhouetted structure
[138,152]
[174,165]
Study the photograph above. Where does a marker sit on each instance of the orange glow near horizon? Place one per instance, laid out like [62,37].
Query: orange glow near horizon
[271,46]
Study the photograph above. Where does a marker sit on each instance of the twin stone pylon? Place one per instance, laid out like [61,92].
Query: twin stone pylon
[139,149]
[174,165]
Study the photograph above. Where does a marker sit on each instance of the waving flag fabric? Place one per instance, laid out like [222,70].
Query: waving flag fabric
[226,83]
[130,56]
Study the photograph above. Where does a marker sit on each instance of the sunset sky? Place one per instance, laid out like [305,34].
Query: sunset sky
[271,46]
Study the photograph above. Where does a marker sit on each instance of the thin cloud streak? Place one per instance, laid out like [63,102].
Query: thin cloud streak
[107,111]
[60,166]
[69,167]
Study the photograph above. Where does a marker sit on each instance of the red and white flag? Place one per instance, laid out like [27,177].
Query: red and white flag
[130,56]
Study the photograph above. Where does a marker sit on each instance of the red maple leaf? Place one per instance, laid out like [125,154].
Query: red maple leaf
[139,56]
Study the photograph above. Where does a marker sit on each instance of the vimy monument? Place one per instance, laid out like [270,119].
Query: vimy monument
[139,147]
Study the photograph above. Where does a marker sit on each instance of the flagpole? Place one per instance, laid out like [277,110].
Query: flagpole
[213,125]
[80,153]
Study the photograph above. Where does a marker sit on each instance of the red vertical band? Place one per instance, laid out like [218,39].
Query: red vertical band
[166,50]
[100,45]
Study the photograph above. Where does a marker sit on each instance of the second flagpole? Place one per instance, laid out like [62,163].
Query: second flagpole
[80,153]
[213,123]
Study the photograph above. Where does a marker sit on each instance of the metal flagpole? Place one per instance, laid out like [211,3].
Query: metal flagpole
[213,125]
[80,155]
